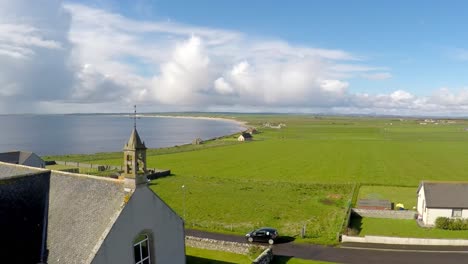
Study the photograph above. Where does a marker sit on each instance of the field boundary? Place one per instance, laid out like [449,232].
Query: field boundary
[405,241]
[391,214]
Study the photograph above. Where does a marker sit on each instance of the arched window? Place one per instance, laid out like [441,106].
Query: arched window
[141,249]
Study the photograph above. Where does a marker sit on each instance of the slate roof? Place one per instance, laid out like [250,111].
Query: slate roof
[445,194]
[134,142]
[82,209]
[15,157]
[246,135]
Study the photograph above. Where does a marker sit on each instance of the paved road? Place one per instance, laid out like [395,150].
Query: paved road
[358,253]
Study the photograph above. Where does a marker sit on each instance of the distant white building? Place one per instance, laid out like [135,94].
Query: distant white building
[245,137]
[442,199]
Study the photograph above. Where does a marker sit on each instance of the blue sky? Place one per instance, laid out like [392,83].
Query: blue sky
[417,41]
[394,57]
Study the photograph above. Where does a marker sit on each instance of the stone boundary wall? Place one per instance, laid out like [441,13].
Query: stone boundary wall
[265,258]
[154,173]
[394,214]
[213,244]
[405,241]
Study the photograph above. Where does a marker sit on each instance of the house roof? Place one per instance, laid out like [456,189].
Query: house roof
[134,142]
[445,194]
[16,157]
[82,209]
[246,135]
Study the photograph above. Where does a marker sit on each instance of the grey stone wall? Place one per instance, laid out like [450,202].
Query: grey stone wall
[394,214]
[239,248]
[212,244]
[153,173]
[265,258]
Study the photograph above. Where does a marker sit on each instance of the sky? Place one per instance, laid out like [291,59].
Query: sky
[333,57]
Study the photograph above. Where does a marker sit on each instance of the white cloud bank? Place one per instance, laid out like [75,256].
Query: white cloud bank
[57,57]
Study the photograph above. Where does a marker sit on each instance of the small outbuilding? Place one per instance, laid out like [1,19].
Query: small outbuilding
[442,199]
[245,137]
[373,204]
[22,158]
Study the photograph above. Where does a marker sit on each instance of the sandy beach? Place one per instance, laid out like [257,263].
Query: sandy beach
[239,122]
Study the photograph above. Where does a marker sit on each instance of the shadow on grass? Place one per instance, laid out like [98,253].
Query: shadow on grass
[280,259]
[198,260]
[152,181]
[355,225]
[284,239]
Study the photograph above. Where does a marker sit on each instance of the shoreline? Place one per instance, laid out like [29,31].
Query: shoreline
[239,122]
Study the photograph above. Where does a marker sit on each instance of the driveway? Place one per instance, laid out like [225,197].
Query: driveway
[358,253]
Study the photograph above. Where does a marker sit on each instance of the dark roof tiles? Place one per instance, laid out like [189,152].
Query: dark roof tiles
[446,194]
[82,209]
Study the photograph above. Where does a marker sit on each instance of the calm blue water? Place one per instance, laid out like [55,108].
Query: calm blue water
[73,134]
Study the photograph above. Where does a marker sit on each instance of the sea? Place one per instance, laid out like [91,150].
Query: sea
[85,134]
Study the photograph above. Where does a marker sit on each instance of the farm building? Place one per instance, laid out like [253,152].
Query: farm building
[23,158]
[442,199]
[245,137]
[252,131]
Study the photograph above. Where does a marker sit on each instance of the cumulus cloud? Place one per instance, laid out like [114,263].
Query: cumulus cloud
[67,56]
[34,50]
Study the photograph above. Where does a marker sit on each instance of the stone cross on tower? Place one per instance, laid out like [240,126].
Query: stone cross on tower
[135,155]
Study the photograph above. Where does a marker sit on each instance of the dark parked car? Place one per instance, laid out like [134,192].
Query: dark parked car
[264,234]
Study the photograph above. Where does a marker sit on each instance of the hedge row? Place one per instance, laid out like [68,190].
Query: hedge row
[451,224]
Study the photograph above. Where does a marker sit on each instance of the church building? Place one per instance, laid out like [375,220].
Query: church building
[76,218]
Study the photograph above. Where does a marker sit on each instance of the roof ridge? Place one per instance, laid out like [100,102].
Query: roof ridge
[57,171]
[22,166]
[101,178]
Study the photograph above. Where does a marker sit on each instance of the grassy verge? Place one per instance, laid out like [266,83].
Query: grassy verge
[401,228]
[204,256]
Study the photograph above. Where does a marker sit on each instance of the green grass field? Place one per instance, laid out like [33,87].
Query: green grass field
[303,173]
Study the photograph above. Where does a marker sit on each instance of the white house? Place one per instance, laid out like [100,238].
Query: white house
[245,137]
[442,199]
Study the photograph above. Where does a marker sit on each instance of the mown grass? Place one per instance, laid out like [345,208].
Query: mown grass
[401,228]
[395,194]
[204,256]
[276,179]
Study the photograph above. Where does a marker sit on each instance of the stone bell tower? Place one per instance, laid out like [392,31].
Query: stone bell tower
[134,155]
